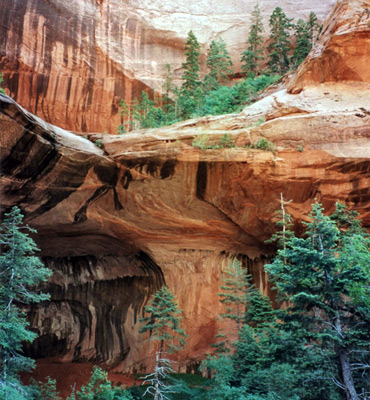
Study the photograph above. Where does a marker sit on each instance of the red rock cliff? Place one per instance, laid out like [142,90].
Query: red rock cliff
[71,61]
[115,223]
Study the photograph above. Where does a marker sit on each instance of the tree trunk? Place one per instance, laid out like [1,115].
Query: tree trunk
[345,366]
[347,375]
[156,385]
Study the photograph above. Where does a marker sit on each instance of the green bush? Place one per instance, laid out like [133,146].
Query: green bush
[264,144]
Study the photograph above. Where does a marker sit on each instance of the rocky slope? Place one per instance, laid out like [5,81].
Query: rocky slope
[71,61]
[149,207]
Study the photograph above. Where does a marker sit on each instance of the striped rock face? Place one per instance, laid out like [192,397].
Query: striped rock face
[117,221]
[71,61]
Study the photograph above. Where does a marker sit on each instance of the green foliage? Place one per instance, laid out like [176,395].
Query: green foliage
[279,45]
[318,344]
[98,143]
[45,390]
[147,114]
[264,144]
[1,82]
[219,64]
[163,321]
[254,54]
[203,143]
[259,311]
[234,289]
[232,99]
[20,272]
[326,279]
[191,66]
[191,93]
[100,388]
[303,43]
[313,28]
[126,114]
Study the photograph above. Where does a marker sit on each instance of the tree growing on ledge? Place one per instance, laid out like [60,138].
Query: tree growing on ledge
[219,64]
[191,91]
[20,272]
[254,54]
[279,41]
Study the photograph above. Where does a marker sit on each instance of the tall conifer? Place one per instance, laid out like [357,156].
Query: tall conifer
[254,54]
[279,45]
[190,92]
[303,43]
[219,64]
[20,271]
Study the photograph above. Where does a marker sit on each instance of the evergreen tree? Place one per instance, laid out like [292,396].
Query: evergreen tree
[44,390]
[163,321]
[169,98]
[168,86]
[326,279]
[279,45]
[303,43]
[191,92]
[148,114]
[313,28]
[259,311]
[251,57]
[100,388]
[126,113]
[219,64]
[191,66]
[234,293]
[20,272]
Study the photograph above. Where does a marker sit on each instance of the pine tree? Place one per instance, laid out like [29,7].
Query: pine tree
[303,43]
[20,272]
[168,86]
[279,45]
[259,311]
[169,97]
[326,279]
[126,114]
[219,64]
[100,388]
[191,92]
[191,66]
[163,321]
[254,54]
[313,28]
[148,114]
[234,293]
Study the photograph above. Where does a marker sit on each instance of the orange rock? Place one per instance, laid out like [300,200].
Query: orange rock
[149,207]
[342,52]
[71,62]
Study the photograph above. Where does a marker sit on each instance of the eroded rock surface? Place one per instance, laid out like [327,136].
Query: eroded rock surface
[71,62]
[342,53]
[148,207]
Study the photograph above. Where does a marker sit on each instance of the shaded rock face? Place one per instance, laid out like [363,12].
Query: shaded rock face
[92,300]
[342,53]
[70,62]
[116,222]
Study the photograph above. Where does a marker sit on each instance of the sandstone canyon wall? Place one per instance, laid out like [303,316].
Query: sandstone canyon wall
[71,61]
[114,223]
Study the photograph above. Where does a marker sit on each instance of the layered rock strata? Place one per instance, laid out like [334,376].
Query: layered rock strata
[148,208]
[71,62]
